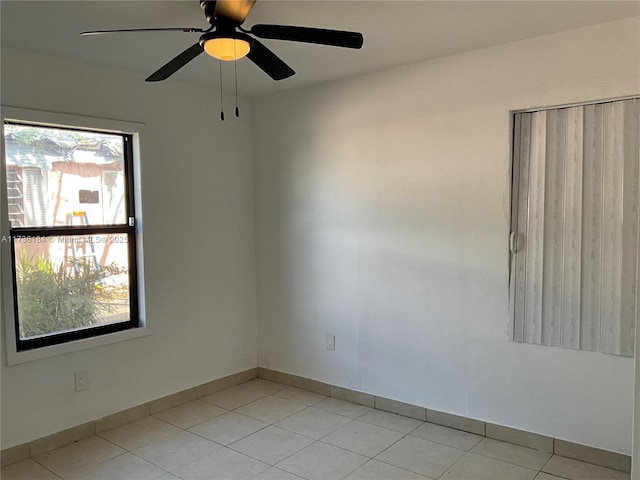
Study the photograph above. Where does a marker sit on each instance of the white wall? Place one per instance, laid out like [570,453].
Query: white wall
[197,188]
[382,206]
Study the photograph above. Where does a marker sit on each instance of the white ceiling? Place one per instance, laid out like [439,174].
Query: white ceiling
[395,32]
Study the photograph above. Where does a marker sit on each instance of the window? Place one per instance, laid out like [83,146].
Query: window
[574,241]
[71,212]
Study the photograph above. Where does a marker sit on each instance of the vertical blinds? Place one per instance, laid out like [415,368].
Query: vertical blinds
[575,216]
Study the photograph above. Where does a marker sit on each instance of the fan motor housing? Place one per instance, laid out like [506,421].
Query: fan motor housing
[209,11]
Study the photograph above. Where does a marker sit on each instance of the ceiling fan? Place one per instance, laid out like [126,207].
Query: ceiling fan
[225,39]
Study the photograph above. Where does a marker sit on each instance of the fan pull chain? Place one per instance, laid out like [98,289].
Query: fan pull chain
[235,73]
[221,100]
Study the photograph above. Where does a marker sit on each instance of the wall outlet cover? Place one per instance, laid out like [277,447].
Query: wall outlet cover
[82,380]
[331,341]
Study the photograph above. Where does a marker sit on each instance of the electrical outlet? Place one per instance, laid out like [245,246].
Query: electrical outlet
[331,341]
[82,380]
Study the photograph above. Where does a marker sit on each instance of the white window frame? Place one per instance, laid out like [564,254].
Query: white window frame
[54,119]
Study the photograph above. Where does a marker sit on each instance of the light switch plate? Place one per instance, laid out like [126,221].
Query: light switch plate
[331,341]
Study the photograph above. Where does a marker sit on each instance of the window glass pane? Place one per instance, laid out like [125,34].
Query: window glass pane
[68,283]
[53,173]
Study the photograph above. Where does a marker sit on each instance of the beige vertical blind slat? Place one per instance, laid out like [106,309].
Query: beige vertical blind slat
[576,210]
[552,268]
[612,228]
[522,149]
[535,231]
[572,241]
[630,234]
[515,175]
[591,228]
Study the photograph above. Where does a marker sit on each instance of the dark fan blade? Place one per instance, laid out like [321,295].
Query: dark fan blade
[269,62]
[176,29]
[176,64]
[236,10]
[337,38]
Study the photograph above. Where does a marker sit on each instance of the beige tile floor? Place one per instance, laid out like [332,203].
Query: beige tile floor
[262,430]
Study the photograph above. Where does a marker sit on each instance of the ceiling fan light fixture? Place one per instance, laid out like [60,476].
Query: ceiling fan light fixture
[226,40]
[225,47]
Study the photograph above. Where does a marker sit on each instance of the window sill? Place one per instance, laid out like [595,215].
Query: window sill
[16,358]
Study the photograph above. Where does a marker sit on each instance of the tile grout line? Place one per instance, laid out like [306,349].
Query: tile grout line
[157,466]
[453,465]
[97,464]
[127,450]
[446,444]
[553,455]
[313,440]
[409,435]
[241,438]
[270,424]
[507,461]
[402,468]
[46,468]
[376,455]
